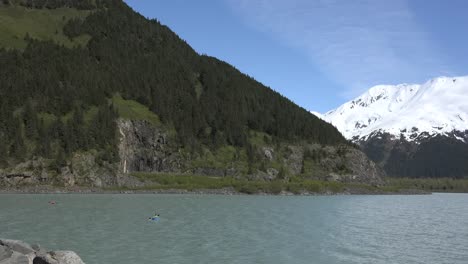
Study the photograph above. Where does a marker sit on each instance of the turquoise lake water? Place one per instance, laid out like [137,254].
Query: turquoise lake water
[243,229]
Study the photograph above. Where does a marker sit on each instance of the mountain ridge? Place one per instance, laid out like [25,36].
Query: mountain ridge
[435,108]
[410,130]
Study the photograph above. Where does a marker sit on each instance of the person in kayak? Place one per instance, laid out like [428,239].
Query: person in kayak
[156,215]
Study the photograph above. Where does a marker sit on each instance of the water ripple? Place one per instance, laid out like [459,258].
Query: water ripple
[244,229]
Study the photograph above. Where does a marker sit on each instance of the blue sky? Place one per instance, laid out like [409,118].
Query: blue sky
[322,53]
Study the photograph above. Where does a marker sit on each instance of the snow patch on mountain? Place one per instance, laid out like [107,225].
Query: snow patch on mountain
[412,111]
[317,114]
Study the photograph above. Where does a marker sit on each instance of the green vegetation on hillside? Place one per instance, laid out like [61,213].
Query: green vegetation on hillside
[428,184]
[55,100]
[17,24]
[133,110]
[161,181]
[192,182]
[57,137]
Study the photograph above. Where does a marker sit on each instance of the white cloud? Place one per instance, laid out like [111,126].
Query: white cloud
[355,43]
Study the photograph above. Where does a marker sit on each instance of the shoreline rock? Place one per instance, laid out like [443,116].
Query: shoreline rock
[19,252]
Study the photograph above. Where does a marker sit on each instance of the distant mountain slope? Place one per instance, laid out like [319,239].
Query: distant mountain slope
[412,130]
[65,88]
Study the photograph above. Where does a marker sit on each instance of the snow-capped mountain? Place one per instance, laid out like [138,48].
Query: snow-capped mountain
[411,130]
[411,111]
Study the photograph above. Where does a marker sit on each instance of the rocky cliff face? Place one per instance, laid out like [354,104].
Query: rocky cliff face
[348,164]
[81,169]
[144,147]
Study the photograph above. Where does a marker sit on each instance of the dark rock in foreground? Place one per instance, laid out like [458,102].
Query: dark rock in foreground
[19,252]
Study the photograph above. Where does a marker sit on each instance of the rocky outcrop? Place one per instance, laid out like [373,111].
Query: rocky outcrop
[146,147]
[294,159]
[25,173]
[342,163]
[82,169]
[346,164]
[85,170]
[18,252]
[361,168]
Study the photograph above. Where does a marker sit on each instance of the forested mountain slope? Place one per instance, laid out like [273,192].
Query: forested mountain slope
[73,70]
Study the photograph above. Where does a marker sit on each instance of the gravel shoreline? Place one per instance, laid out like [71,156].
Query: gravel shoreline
[224,191]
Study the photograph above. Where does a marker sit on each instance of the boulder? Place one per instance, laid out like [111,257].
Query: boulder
[41,260]
[18,246]
[5,253]
[16,258]
[67,177]
[45,259]
[36,247]
[268,153]
[66,257]
[18,252]
[272,172]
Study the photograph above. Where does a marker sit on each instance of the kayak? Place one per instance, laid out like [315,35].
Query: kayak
[153,219]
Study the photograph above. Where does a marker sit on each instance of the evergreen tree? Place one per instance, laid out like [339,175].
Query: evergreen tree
[60,160]
[57,130]
[30,121]
[77,129]
[263,166]
[70,138]
[18,149]
[43,148]
[3,150]
[302,166]
[282,173]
